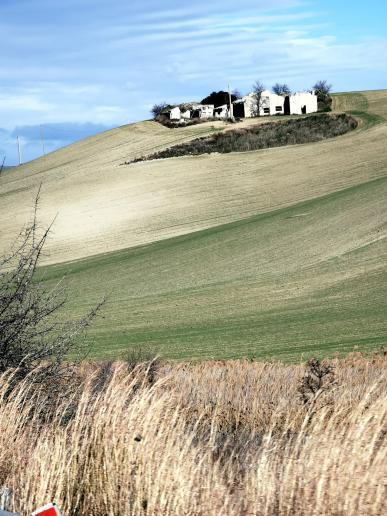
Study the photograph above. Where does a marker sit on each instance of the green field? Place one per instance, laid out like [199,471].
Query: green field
[283,253]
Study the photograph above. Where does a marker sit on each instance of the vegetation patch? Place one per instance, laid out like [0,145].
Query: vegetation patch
[368,119]
[267,438]
[273,134]
[173,124]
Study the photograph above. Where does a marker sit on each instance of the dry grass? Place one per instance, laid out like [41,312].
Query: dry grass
[228,438]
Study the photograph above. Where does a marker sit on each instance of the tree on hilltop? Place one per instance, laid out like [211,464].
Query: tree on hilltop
[324,99]
[219,98]
[157,109]
[237,94]
[281,89]
[258,88]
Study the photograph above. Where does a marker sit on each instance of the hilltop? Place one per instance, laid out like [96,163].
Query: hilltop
[274,252]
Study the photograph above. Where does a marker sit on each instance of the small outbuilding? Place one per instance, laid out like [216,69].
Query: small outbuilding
[202,111]
[175,113]
[246,107]
[222,111]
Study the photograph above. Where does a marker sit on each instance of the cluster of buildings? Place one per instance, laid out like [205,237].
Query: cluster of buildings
[249,106]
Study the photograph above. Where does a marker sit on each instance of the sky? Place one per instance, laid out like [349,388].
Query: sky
[73,68]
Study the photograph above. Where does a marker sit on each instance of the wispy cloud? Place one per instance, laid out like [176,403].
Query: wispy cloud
[84,61]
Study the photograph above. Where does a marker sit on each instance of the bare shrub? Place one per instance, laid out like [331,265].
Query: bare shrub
[31,332]
[318,377]
[144,358]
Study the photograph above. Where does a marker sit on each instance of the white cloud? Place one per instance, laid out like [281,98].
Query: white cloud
[23,102]
[107,63]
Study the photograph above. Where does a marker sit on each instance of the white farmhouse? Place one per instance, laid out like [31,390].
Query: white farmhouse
[303,102]
[187,111]
[272,104]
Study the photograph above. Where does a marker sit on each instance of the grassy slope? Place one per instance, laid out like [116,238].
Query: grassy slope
[270,285]
[299,269]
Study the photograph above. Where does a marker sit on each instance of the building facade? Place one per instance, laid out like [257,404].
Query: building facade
[272,104]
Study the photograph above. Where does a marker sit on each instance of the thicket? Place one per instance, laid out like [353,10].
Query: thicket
[312,128]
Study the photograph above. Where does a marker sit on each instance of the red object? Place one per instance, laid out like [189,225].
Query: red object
[47,510]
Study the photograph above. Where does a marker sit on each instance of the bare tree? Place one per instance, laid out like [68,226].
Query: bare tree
[324,99]
[281,89]
[258,88]
[30,332]
[322,88]
[157,109]
[237,94]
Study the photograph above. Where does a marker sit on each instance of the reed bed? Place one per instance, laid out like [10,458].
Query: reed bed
[214,438]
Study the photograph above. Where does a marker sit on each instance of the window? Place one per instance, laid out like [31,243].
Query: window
[266,110]
[278,108]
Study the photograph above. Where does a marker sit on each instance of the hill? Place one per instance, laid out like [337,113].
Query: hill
[277,252]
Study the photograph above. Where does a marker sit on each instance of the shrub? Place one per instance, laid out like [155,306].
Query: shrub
[31,333]
[272,134]
[318,377]
[324,100]
[157,109]
[142,358]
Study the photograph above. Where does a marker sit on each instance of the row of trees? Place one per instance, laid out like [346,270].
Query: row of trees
[322,88]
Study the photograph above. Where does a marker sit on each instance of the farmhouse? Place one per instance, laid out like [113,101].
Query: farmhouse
[187,111]
[302,103]
[248,106]
[272,104]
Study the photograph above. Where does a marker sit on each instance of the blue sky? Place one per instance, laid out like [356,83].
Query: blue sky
[77,67]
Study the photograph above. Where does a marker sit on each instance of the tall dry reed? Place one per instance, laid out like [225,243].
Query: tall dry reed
[216,438]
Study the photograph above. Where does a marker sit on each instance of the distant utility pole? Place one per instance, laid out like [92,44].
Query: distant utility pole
[231,106]
[19,150]
[2,166]
[42,140]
